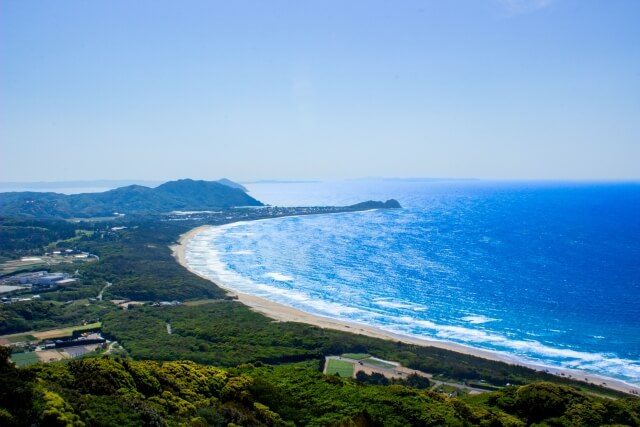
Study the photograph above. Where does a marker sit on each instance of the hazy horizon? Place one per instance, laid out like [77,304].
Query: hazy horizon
[155,91]
[114,183]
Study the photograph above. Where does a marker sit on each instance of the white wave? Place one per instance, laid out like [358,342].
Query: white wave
[391,303]
[279,277]
[527,351]
[476,320]
[289,294]
[458,333]
[205,259]
[245,252]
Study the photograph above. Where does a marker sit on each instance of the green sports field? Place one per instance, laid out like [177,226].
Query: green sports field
[344,369]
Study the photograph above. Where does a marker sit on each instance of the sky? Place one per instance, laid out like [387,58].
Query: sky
[319,89]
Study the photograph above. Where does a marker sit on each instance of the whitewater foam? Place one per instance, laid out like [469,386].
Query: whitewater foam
[477,320]
[279,277]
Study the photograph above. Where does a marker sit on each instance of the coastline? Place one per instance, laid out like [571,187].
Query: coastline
[283,313]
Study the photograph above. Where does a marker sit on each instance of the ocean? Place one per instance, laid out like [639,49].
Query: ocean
[542,273]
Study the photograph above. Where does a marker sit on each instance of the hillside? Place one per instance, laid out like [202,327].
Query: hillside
[184,194]
[106,391]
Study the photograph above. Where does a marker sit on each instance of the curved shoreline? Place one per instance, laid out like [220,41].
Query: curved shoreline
[284,313]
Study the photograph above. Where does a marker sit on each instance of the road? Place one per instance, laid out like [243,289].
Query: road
[99,298]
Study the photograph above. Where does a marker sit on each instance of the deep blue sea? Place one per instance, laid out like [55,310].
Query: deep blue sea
[543,273]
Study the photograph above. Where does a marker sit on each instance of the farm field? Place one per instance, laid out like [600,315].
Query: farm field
[65,332]
[52,333]
[44,262]
[20,338]
[24,359]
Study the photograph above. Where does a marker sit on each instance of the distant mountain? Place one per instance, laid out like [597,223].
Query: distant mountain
[184,194]
[95,186]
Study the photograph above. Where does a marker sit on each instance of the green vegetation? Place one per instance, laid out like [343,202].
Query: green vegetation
[20,338]
[227,333]
[184,194]
[23,237]
[79,235]
[159,387]
[105,392]
[551,404]
[223,333]
[139,263]
[40,315]
[339,367]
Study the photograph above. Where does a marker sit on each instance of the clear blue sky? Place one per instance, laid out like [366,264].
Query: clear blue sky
[525,89]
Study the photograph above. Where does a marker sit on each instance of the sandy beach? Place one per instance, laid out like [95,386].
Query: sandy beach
[285,313]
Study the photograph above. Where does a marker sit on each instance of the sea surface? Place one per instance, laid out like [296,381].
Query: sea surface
[542,273]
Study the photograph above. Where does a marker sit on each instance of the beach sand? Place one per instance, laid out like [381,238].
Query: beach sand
[285,313]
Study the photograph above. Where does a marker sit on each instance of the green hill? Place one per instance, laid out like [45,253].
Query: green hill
[107,392]
[184,194]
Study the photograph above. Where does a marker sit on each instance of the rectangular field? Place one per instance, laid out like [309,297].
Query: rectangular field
[344,369]
[25,359]
[21,338]
[9,288]
[65,332]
